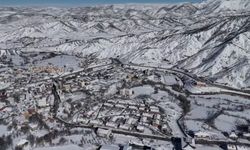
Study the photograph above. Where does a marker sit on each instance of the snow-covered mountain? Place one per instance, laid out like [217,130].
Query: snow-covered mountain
[210,39]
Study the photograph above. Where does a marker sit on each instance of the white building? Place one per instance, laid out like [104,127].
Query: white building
[141,108]
[108,105]
[144,119]
[126,92]
[164,128]
[125,127]
[120,106]
[231,147]
[140,128]
[133,108]
[42,87]
[233,135]
[156,123]
[158,116]
[90,113]
[111,124]
[131,121]
[23,144]
[42,102]
[147,115]
[104,133]
[83,120]
[201,134]
[95,122]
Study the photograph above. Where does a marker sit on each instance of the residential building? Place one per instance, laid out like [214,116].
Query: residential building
[125,127]
[104,133]
[111,124]
[140,128]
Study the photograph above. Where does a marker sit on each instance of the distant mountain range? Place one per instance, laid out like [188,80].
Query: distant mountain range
[210,39]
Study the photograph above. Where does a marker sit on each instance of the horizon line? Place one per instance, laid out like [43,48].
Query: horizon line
[95,4]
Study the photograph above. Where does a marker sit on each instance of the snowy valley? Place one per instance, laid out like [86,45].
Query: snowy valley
[124,76]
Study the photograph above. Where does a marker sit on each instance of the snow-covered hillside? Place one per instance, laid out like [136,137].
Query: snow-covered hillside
[210,39]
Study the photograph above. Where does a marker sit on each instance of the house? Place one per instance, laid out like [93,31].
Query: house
[132,121]
[108,105]
[125,127]
[154,109]
[83,120]
[83,84]
[132,107]
[126,92]
[157,116]
[104,133]
[42,88]
[231,147]
[123,102]
[246,135]
[200,84]
[96,107]
[67,107]
[188,143]
[129,78]
[165,128]
[111,124]
[140,128]
[143,105]
[132,103]
[42,102]
[146,72]
[202,135]
[33,126]
[95,122]
[61,94]
[148,115]
[22,96]
[90,113]
[233,135]
[74,89]
[115,118]
[23,144]
[120,106]
[141,109]
[145,120]
[67,87]
[156,123]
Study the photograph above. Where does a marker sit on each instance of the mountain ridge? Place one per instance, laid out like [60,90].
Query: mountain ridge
[207,39]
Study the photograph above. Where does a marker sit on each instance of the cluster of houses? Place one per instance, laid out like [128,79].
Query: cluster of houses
[123,113]
[30,100]
[48,69]
[126,115]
